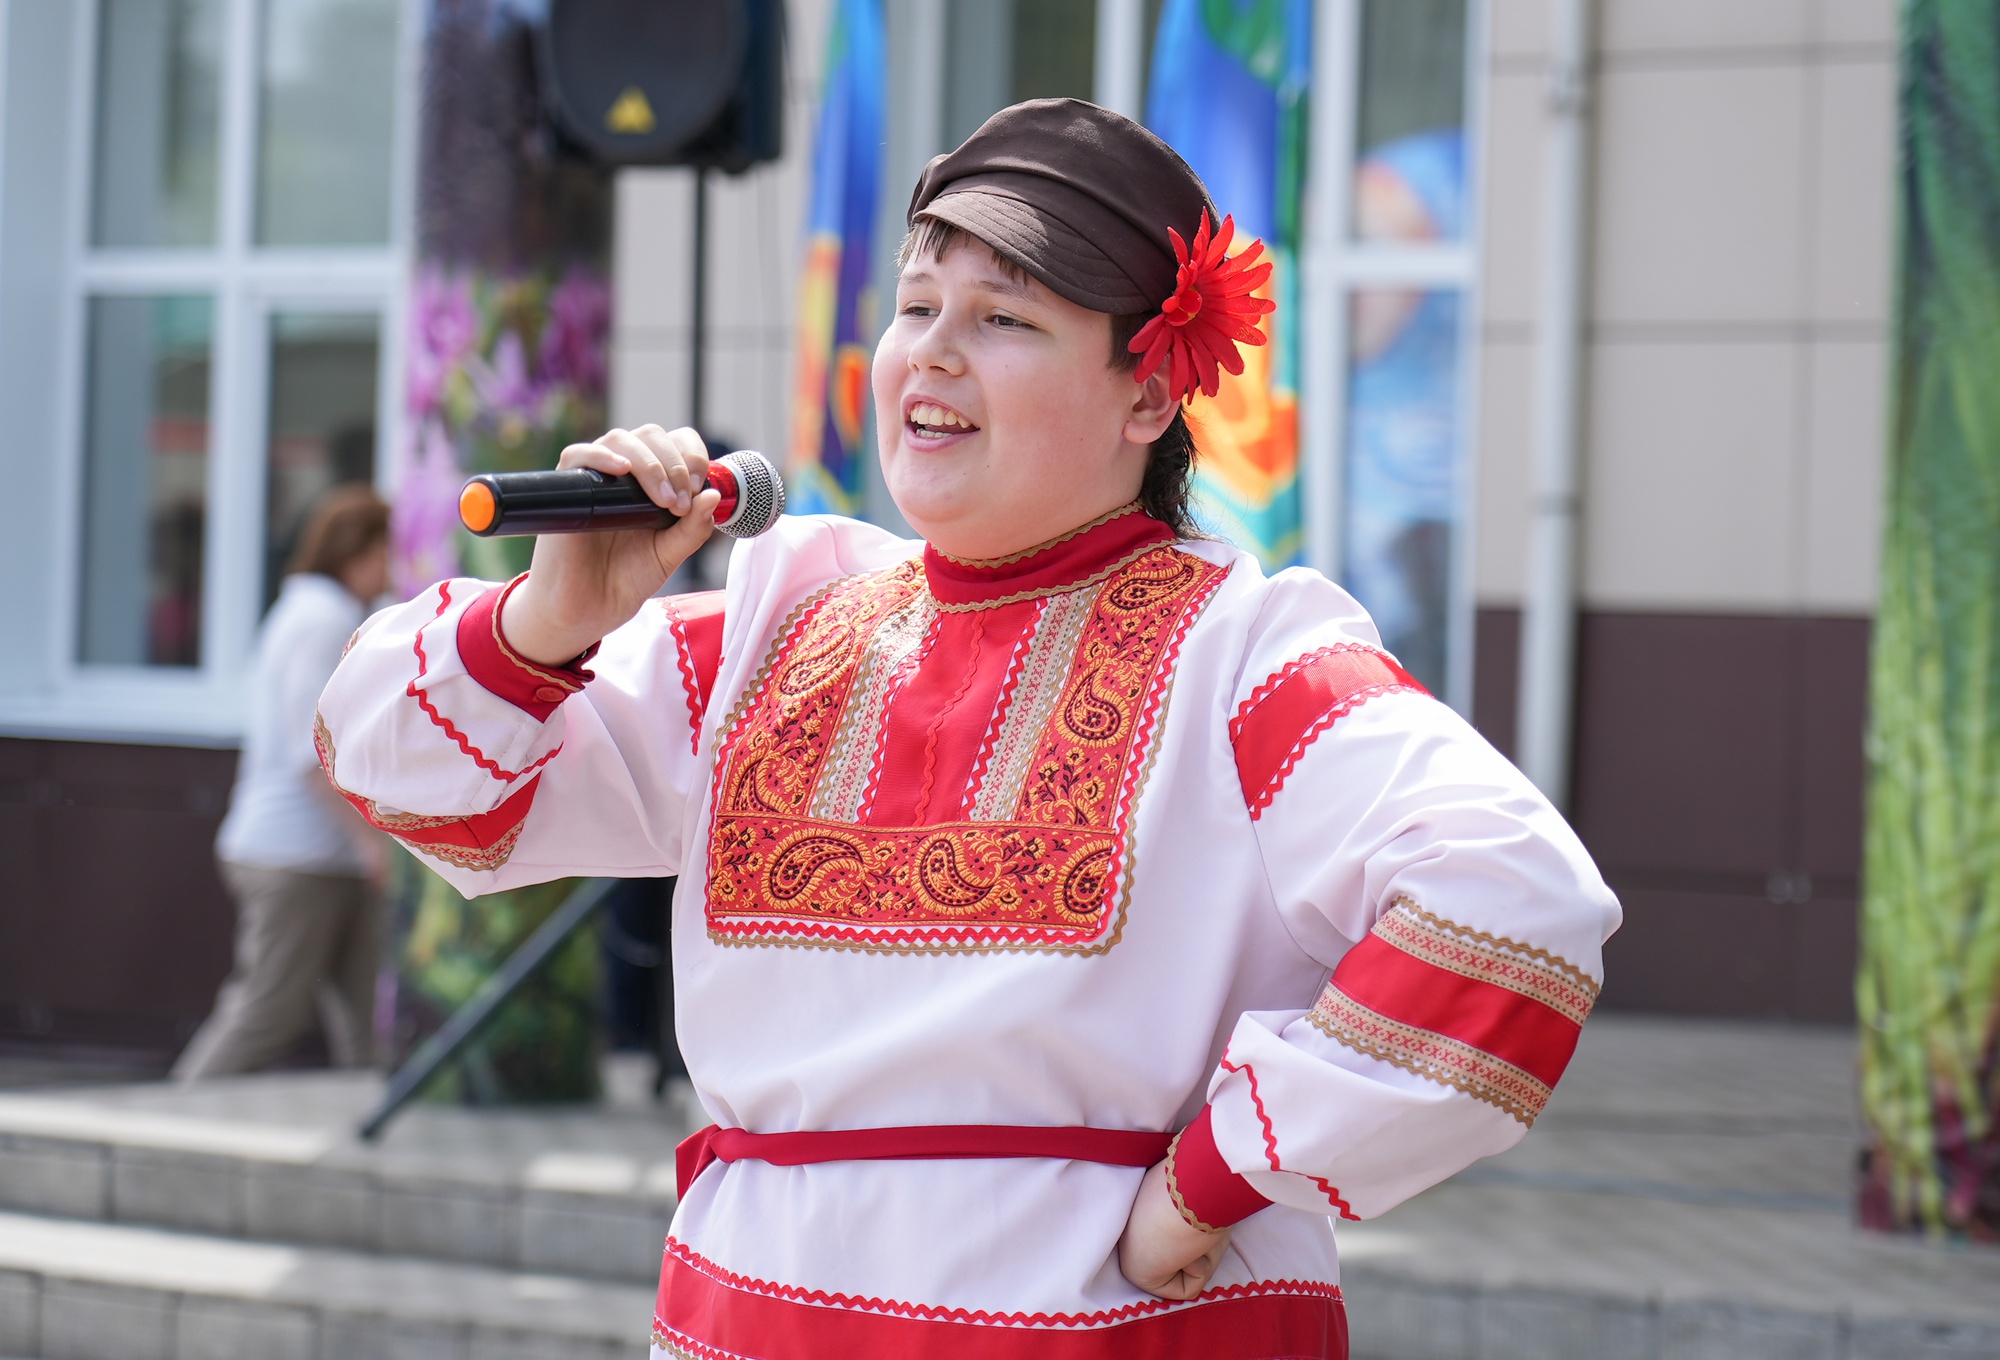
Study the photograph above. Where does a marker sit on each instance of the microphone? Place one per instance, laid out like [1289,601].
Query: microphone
[584,500]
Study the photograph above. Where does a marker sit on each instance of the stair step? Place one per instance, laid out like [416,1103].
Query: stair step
[103,1291]
[584,1192]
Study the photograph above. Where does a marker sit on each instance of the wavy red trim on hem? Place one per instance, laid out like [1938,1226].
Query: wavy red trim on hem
[694,621]
[1288,711]
[1326,1188]
[678,1250]
[479,757]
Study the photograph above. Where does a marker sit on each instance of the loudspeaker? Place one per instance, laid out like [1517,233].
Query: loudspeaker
[667,82]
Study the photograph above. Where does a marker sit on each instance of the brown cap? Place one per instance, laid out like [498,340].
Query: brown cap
[1078,196]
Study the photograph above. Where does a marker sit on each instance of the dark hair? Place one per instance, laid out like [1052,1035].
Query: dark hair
[347,522]
[1168,483]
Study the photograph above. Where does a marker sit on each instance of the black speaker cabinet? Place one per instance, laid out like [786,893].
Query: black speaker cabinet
[667,82]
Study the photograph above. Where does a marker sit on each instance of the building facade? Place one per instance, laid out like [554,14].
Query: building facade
[205,254]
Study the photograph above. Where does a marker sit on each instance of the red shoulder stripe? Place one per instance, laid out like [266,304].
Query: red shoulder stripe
[695,621]
[1282,717]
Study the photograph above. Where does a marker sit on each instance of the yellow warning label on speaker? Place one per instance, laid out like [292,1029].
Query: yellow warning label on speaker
[630,113]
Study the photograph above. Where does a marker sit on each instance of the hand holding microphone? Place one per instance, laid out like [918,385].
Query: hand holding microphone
[583,500]
[657,486]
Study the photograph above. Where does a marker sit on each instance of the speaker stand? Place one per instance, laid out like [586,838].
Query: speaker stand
[698,339]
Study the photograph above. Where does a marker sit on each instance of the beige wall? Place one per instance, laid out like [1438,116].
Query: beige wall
[754,237]
[1739,293]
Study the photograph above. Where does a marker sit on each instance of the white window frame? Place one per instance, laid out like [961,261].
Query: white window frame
[204,704]
[1335,265]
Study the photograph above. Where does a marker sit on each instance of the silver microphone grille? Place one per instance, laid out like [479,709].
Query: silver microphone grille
[760,494]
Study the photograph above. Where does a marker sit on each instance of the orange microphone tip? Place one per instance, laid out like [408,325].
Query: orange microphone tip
[477,507]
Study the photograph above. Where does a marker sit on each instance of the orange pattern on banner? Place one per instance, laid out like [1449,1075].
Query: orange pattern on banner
[848,393]
[1248,432]
[1047,877]
[819,288]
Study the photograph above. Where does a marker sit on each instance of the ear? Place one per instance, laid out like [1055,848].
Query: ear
[1152,409]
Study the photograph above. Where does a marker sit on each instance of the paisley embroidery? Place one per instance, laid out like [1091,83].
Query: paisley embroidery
[1050,873]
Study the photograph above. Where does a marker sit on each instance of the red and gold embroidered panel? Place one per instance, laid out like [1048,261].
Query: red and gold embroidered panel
[1048,873]
[1481,1013]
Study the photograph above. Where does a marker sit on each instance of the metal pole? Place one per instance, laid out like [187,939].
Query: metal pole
[1121,57]
[1548,618]
[698,330]
[469,1019]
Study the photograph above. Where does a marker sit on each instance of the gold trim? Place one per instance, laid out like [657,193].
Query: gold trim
[1040,592]
[1519,968]
[987,563]
[546,676]
[1430,1055]
[487,858]
[1188,1216]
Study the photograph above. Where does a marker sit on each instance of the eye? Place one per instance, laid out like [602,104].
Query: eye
[918,309]
[1005,321]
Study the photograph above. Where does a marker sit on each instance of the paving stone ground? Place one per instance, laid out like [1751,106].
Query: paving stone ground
[1687,1196]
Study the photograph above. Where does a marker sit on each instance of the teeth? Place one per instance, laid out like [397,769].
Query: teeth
[937,417]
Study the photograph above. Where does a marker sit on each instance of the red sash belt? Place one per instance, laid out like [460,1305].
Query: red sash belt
[1113,1147]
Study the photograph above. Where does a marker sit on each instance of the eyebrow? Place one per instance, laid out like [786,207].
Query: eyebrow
[995,283]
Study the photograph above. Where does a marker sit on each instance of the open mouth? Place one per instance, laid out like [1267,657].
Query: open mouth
[929,421]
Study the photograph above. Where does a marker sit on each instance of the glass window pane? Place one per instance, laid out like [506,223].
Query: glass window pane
[328,83]
[1409,162]
[157,63]
[323,370]
[999,52]
[145,481]
[1055,49]
[1403,469]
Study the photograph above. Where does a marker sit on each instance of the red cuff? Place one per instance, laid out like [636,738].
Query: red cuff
[500,670]
[1208,1194]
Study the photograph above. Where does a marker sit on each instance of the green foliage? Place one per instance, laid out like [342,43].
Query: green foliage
[1930,971]
[543,1046]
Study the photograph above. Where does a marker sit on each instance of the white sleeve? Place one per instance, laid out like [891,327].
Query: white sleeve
[502,772]
[505,773]
[1462,921]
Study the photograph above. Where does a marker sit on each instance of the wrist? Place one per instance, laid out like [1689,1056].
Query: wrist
[535,632]
[1207,1193]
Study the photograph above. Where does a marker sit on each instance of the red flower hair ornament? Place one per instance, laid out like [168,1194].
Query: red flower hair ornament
[1211,312]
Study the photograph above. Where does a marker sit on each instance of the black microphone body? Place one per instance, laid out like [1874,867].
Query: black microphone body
[583,500]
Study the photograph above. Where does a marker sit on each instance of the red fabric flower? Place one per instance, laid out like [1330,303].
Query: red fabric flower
[1209,315]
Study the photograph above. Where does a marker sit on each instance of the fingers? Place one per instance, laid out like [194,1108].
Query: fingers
[683,457]
[671,465]
[677,542]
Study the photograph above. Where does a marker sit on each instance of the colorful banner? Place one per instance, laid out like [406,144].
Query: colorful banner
[1228,91]
[836,327]
[1928,993]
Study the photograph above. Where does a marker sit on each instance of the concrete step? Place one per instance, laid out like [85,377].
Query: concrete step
[105,1291]
[582,1191]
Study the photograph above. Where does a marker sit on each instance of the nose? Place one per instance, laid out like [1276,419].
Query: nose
[939,345]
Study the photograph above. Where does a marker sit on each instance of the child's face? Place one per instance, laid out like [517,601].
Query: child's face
[1001,422]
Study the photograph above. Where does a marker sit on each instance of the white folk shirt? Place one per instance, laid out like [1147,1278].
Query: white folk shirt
[1116,833]
[279,814]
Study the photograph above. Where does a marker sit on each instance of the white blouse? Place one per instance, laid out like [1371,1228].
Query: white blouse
[1117,833]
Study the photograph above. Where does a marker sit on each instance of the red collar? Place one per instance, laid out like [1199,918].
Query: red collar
[1080,557]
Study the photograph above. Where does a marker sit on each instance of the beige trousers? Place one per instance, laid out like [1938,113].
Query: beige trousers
[301,939]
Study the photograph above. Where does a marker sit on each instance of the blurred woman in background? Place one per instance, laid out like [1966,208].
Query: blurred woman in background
[301,865]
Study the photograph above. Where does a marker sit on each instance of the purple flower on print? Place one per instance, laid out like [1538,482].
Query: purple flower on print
[423,529]
[444,328]
[505,386]
[575,337]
